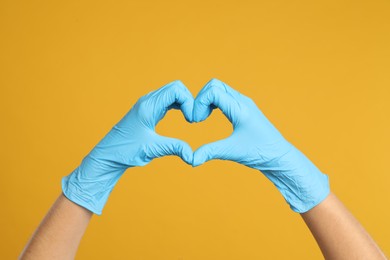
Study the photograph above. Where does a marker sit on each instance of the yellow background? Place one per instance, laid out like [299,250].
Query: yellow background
[69,70]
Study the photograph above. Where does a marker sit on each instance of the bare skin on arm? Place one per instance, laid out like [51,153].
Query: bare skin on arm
[338,233]
[60,232]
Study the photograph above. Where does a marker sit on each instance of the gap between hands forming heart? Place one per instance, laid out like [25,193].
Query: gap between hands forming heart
[215,127]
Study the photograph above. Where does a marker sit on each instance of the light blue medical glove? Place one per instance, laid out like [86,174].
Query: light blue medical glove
[131,142]
[256,143]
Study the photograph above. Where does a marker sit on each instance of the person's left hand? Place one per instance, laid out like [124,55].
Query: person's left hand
[131,142]
[256,143]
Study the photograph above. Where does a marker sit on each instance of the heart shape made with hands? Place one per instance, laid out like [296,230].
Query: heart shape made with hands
[195,110]
[251,129]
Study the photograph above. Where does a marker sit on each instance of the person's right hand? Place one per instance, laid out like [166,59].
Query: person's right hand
[256,143]
[131,142]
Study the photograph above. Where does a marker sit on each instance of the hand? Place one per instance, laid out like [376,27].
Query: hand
[131,142]
[256,143]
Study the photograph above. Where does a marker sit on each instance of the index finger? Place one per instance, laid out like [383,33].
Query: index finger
[173,95]
[216,94]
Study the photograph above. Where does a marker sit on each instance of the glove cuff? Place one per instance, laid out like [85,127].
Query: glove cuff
[301,183]
[89,188]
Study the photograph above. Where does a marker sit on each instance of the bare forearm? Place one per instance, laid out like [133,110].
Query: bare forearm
[338,233]
[60,232]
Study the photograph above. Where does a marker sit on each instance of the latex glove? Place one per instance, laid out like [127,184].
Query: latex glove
[256,143]
[131,142]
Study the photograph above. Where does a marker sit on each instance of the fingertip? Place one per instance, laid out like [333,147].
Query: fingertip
[186,100]
[184,151]
[195,163]
[188,160]
[187,155]
[187,109]
[177,82]
[214,81]
[209,98]
[199,117]
[200,111]
[198,159]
